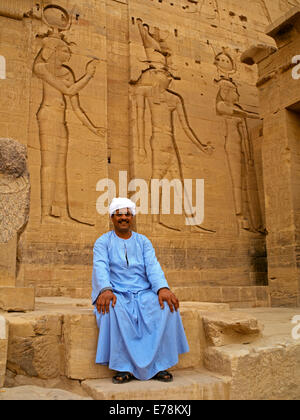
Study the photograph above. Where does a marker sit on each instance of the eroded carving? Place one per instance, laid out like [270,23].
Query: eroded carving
[14,189]
[238,146]
[209,9]
[152,89]
[59,83]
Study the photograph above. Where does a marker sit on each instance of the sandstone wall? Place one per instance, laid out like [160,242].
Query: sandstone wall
[168,98]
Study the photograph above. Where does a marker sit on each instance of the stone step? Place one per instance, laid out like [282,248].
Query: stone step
[61,338]
[195,384]
[266,369]
[3,348]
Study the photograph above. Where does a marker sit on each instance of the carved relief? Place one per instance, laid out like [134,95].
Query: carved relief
[285,5]
[152,89]
[238,146]
[265,10]
[209,9]
[14,189]
[59,84]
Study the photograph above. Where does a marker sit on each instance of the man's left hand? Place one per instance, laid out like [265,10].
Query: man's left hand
[165,295]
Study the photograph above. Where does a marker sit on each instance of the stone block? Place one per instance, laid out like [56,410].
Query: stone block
[80,333]
[34,347]
[222,328]
[17,299]
[267,372]
[3,348]
[194,384]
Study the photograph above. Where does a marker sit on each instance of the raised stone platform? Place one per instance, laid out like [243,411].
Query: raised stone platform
[55,345]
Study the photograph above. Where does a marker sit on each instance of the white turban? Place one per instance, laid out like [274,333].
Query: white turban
[121,203]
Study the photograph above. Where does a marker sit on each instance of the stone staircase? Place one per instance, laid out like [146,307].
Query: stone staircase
[55,345]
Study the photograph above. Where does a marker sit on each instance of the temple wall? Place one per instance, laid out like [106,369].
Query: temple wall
[168,99]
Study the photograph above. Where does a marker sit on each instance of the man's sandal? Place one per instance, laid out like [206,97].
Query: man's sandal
[163,376]
[122,377]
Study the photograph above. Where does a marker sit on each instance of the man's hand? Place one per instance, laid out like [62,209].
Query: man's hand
[169,297]
[103,301]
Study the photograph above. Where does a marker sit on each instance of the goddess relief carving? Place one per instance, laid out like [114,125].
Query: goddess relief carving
[238,146]
[58,83]
[152,89]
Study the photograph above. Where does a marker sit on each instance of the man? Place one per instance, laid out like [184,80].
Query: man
[140,329]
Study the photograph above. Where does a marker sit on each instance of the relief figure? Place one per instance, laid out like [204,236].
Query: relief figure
[238,147]
[58,84]
[152,89]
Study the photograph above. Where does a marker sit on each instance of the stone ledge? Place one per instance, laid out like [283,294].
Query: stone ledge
[17,299]
[267,371]
[196,384]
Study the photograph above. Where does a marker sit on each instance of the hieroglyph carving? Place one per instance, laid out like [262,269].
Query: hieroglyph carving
[14,189]
[153,89]
[238,146]
[59,83]
[2,67]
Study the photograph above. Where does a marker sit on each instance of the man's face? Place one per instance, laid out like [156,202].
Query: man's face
[122,220]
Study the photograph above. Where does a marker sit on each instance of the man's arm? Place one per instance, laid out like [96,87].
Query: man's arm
[101,272]
[154,271]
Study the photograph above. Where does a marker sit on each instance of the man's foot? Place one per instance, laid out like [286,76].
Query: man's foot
[122,377]
[163,376]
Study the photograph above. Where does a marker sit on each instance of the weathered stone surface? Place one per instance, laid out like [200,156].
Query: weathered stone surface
[17,299]
[30,392]
[266,369]
[3,348]
[196,384]
[14,188]
[267,372]
[222,328]
[80,333]
[35,347]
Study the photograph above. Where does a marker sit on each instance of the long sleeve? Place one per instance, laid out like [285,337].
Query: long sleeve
[101,271]
[154,271]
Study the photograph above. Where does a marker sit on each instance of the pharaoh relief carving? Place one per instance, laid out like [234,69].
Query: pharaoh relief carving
[152,90]
[58,84]
[14,189]
[238,146]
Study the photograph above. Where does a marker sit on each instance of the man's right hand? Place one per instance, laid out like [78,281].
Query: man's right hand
[103,301]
